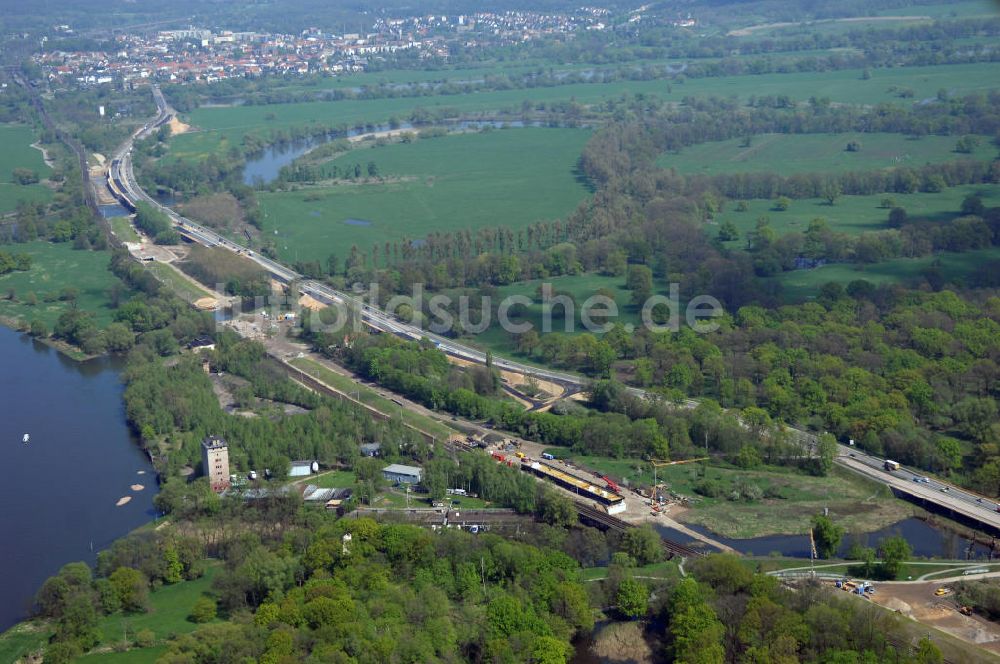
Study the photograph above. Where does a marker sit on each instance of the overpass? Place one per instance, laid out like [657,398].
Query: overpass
[960,504]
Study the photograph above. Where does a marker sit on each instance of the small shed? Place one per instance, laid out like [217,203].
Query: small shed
[202,343]
[303,468]
[403,474]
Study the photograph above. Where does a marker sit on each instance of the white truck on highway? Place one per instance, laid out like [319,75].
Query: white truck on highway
[891,465]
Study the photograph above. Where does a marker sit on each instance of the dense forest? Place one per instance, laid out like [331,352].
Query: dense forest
[307,588]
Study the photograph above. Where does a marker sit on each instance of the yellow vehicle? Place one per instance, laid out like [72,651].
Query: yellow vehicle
[519,455]
[941,591]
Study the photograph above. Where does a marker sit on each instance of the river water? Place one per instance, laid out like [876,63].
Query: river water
[265,167]
[925,540]
[58,492]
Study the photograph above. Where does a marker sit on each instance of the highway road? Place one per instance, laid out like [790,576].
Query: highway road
[922,486]
[963,502]
[122,176]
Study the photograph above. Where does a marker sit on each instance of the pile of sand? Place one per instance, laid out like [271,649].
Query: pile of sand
[177,127]
[311,303]
[206,303]
[898,605]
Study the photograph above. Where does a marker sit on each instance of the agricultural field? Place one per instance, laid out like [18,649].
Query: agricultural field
[219,128]
[55,267]
[852,214]
[507,178]
[18,153]
[788,154]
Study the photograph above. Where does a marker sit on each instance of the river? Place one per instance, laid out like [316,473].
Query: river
[58,491]
[926,540]
[266,166]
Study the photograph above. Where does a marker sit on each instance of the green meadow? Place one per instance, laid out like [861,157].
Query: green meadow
[853,214]
[509,178]
[800,285]
[787,154]
[961,9]
[169,608]
[18,153]
[222,127]
[580,286]
[53,268]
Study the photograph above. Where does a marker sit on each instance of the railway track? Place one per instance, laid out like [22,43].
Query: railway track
[608,521]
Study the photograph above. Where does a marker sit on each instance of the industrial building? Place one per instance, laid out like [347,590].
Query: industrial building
[215,462]
[402,474]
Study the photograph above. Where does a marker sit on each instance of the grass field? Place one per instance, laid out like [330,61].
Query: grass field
[222,127]
[507,178]
[853,501]
[171,606]
[333,479]
[18,153]
[581,286]
[960,9]
[122,228]
[168,614]
[370,397]
[55,267]
[787,154]
[134,656]
[22,639]
[665,570]
[800,285]
[178,283]
[853,214]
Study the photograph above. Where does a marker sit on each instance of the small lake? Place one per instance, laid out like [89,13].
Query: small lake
[926,541]
[58,492]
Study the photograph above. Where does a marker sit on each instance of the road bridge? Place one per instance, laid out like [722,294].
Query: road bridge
[960,504]
[947,498]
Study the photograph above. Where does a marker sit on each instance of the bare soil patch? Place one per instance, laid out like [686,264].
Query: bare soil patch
[917,601]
